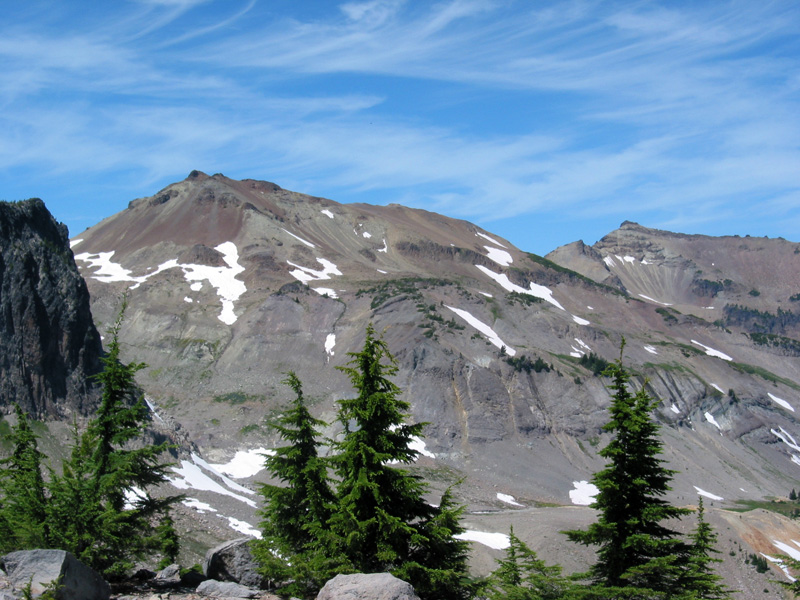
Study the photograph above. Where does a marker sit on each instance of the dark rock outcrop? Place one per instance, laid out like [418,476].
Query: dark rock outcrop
[48,343]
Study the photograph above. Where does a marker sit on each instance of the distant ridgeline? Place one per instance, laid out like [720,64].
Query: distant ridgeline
[48,343]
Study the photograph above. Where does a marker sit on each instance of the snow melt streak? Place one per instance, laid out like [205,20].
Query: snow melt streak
[782,402]
[711,352]
[707,494]
[484,329]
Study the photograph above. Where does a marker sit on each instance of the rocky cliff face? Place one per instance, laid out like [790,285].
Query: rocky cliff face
[48,342]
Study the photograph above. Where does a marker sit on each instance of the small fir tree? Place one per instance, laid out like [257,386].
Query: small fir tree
[100,509]
[382,522]
[295,515]
[635,548]
[522,575]
[438,567]
[700,577]
[23,512]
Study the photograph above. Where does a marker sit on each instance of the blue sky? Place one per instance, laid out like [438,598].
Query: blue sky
[544,122]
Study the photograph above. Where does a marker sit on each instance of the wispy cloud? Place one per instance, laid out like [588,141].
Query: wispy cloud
[674,114]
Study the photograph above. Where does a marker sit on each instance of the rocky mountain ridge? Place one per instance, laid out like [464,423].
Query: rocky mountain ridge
[233,283]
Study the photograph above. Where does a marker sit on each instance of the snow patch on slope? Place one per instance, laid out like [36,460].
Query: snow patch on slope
[710,418]
[491,239]
[508,499]
[229,289]
[330,342]
[497,541]
[484,329]
[584,493]
[298,238]
[656,301]
[711,352]
[245,463]
[307,274]
[782,402]
[536,290]
[501,257]
[195,475]
[707,494]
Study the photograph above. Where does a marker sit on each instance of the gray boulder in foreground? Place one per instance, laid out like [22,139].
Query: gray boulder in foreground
[373,586]
[42,567]
[211,588]
[233,561]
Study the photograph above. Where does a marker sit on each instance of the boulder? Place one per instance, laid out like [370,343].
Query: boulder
[233,561]
[373,586]
[211,588]
[75,580]
[169,576]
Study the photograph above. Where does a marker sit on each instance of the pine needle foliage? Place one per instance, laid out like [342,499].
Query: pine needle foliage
[23,507]
[635,549]
[522,575]
[99,508]
[382,521]
[379,503]
[700,576]
[296,513]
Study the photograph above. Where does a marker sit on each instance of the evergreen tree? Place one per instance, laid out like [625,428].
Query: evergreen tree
[700,577]
[382,522]
[522,575]
[295,515]
[100,509]
[635,548]
[438,567]
[23,511]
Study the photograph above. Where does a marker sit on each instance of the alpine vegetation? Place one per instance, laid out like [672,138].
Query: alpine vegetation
[87,509]
[372,516]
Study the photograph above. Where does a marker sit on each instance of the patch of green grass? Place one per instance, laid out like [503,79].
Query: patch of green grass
[764,374]
[442,474]
[783,507]
[5,432]
[671,367]
[410,286]
[251,428]
[524,299]
[773,340]
[238,398]
[667,315]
